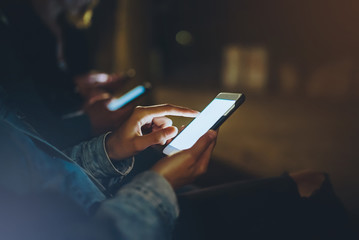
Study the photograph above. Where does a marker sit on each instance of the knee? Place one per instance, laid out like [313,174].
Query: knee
[308,181]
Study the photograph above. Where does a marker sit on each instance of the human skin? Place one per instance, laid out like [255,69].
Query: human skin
[178,169]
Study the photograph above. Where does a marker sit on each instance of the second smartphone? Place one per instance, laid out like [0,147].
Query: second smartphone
[128,97]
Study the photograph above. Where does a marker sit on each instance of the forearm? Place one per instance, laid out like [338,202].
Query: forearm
[146,208]
[92,156]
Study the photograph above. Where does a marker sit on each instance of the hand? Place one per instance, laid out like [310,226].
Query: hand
[92,85]
[183,167]
[102,119]
[131,138]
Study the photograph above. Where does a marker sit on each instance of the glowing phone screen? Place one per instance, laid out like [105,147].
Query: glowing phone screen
[126,98]
[200,125]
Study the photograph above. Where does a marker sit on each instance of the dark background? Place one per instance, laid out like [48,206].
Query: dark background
[305,112]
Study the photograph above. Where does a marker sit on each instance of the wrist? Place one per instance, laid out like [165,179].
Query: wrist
[161,169]
[110,146]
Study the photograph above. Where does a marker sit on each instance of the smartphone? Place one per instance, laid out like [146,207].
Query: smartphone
[211,117]
[128,97]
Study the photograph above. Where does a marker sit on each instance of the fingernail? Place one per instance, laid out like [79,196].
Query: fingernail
[171,130]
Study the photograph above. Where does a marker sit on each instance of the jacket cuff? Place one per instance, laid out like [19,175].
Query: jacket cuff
[122,167]
[92,156]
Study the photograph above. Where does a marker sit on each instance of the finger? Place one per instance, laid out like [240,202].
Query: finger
[115,82]
[203,144]
[162,122]
[113,77]
[120,79]
[202,163]
[179,131]
[158,137]
[98,78]
[146,114]
[99,97]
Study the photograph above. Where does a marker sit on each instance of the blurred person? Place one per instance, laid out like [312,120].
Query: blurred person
[78,189]
[75,194]
[52,49]
[143,209]
[146,207]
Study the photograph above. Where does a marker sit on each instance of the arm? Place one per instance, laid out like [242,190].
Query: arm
[110,157]
[146,208]
[93,157]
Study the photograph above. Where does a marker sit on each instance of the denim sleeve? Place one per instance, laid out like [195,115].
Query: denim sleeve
[146,208]
[93,157]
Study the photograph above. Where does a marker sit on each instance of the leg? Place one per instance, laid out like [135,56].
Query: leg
[258,209]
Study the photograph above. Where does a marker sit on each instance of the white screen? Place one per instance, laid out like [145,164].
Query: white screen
[199,126]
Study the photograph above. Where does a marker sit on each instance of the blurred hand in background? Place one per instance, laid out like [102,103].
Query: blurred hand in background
[92,86]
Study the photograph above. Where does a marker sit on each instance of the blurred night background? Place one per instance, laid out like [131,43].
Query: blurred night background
[296,61]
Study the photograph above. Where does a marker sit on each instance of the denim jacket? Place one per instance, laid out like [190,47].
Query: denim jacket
[143,209]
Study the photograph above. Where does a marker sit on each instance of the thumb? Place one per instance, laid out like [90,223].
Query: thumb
[203,143]
[158,137]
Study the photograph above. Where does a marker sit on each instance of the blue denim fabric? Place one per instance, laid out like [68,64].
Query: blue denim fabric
[92,156]
[143,209]
[151,208]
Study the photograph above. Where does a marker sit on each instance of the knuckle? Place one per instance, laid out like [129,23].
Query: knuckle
[207,137]
[167,106]
[159,138]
